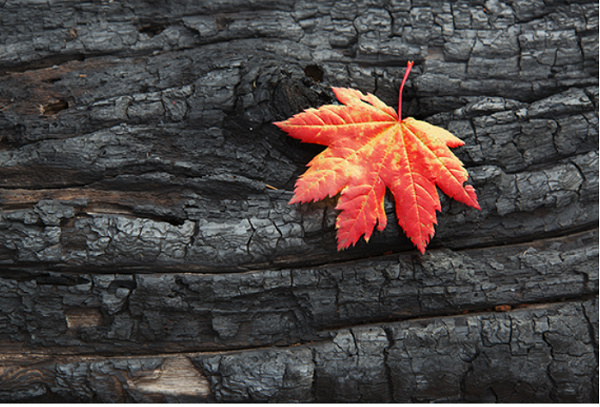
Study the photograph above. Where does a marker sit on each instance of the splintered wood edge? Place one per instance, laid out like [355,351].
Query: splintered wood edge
[176,376]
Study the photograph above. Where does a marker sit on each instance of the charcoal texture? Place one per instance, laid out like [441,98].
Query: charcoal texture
[148,252]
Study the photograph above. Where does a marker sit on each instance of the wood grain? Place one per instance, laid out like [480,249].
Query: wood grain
[148,252]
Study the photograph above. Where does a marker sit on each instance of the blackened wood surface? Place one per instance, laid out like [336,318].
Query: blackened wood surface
[148,252]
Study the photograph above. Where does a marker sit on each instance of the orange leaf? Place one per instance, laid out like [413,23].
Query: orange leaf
[370,148]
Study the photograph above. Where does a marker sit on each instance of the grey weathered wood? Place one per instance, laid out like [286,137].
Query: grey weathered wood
[144,253]
[88,312]
[540,352]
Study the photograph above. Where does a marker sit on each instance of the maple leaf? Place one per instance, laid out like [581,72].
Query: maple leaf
[371,148]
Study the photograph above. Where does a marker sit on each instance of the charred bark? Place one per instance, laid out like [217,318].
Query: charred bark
[148,252]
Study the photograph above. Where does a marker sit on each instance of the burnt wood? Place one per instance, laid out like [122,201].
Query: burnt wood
[148,252]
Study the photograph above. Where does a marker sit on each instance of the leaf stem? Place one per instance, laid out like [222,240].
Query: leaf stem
[409,66]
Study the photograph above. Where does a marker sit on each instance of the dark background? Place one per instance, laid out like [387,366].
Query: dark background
[148,253]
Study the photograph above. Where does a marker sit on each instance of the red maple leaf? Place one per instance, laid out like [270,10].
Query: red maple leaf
[371,148]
